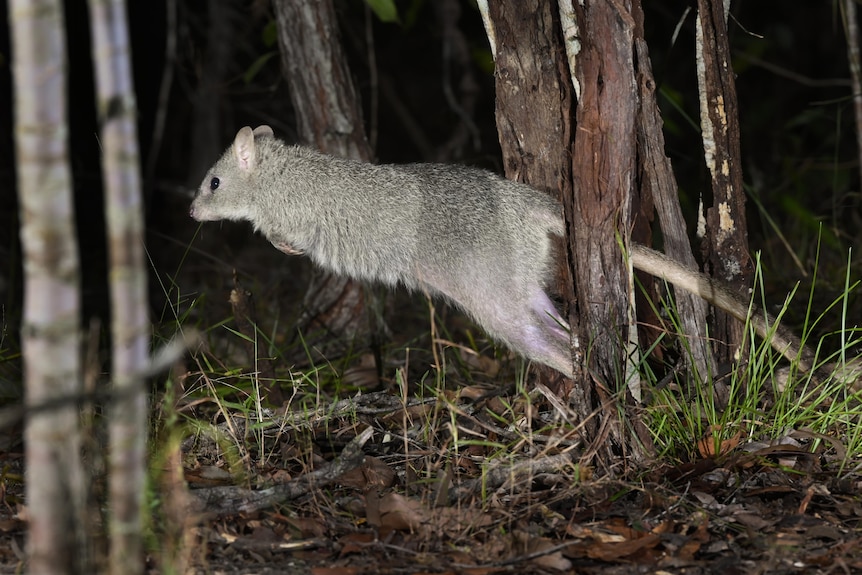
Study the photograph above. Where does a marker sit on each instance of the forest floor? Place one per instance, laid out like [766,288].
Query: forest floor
[380,483]
[408,501]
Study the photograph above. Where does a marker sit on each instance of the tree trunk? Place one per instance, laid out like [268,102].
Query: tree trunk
[534,106]
[603,206]
[593,176]
[605,174]
[725,244]
[56,487]
[130,327]
[329,118]
[657,179]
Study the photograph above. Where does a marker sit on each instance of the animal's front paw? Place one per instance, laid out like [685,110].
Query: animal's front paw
[288,249]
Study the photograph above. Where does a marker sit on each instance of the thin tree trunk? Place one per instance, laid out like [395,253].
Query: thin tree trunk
[327,107]
[56,488]
[130,328]
[656,173]
[330,119]
[725,244]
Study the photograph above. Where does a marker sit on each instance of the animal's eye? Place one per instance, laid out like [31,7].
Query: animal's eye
[214,184]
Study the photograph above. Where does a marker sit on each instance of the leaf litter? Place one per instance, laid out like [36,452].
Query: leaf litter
[472,482]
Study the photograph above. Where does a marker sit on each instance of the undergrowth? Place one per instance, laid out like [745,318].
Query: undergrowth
[767,402]
[467,447]
[764,399]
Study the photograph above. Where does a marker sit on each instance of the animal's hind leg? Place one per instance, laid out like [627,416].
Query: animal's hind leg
[548,346]
[529,325]
[545,309]
[543,335]
[556,331]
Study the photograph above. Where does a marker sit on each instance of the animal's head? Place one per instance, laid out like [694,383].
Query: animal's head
[228,190]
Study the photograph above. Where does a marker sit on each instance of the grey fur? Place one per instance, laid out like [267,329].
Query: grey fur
[480,240]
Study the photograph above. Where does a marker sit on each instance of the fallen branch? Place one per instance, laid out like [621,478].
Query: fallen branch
[229,500]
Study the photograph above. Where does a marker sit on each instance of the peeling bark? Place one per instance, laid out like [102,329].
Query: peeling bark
[725,244]
[537,46]
[602,208]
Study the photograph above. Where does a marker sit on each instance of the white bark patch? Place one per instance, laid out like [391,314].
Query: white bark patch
[571,38]
[719,107]
[705,124]
[489,27]
[725,219]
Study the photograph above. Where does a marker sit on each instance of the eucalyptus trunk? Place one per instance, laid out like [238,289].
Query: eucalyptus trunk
[725,234]
[577,116]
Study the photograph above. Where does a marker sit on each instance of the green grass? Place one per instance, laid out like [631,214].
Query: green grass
[769,401]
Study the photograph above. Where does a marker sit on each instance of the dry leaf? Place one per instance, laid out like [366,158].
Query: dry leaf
[372,474]
[706,445]
[615,551]
[354,543]
[402,513]
[336,570]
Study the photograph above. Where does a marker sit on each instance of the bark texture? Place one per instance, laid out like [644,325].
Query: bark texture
[327,107]
[130,327]
[591,171]
[549,57]
[656,175]
[602,206]
[725,244]
[603,168]
[50,338]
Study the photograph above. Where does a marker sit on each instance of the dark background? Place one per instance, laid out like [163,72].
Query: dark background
[798,139]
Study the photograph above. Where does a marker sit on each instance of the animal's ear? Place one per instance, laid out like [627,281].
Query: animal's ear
[243,149]
[263,131]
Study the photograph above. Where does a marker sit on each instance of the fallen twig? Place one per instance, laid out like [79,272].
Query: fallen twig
[228,500]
